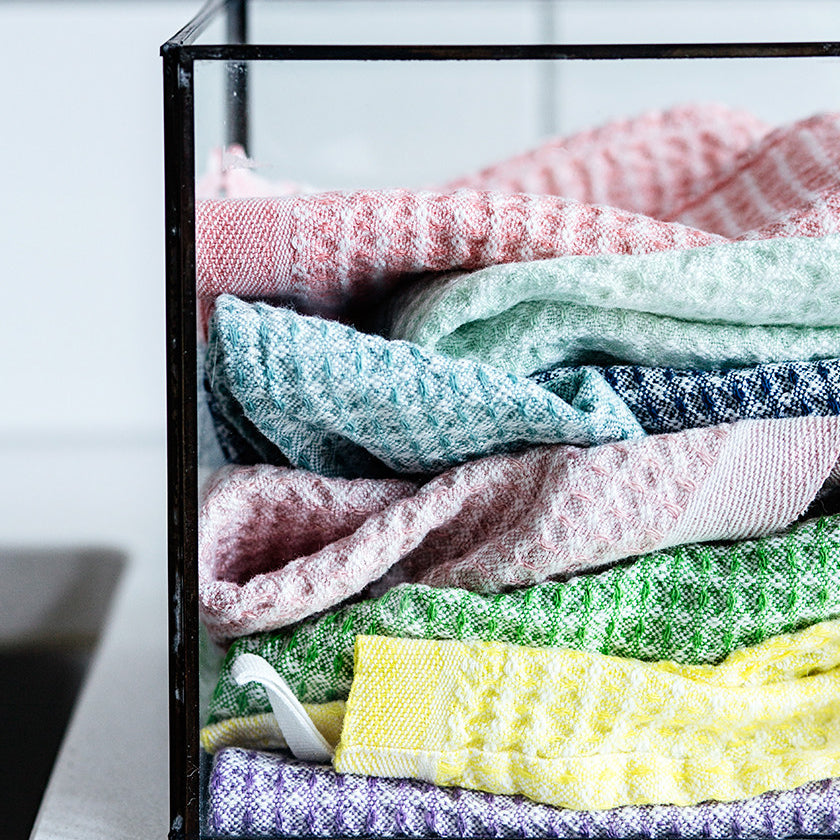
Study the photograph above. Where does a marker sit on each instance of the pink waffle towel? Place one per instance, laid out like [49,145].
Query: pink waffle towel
[649,164]
[325,250]
[277,545]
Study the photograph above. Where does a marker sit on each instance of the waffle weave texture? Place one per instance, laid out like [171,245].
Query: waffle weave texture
[587,731]
[276,545]
[652,163]
[262,794]
[325,397]
[669,400]
[649,164]
[326,250]
[693,604]
[733,304]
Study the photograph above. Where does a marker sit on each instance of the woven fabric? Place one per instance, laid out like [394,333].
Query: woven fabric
[254,732]
[693,604]
[532,336]
[587,731]
[325,250]
[260,794]
[322,396]
[776,281]
[733,304]
[263,732]
[638,164]
[668,400]
[277,545]
[651,164]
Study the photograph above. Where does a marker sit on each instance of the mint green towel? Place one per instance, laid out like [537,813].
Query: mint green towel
[717,306]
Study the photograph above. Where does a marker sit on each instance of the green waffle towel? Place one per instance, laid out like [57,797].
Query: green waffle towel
[693,604]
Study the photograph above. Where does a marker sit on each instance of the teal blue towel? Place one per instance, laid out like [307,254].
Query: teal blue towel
[339,402]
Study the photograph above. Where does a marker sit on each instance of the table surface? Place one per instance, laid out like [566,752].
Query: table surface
[110,779]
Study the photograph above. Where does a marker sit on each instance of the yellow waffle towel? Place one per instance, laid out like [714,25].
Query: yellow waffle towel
[583,730]
[262,732]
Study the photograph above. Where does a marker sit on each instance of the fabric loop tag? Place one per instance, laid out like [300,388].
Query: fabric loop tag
[302,738]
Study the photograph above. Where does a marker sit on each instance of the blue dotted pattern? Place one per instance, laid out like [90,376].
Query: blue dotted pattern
[669,400]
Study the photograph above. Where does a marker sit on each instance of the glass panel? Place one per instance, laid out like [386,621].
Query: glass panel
[353,125]
[348,125]
[420,126]
[777,90]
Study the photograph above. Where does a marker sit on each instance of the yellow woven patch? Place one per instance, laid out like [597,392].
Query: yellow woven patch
[582,730]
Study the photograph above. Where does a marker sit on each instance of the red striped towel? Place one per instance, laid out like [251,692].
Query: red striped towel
[633,186]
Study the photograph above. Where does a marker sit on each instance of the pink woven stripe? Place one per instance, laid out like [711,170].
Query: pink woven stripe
[276,545]
[787,175]
[325,250]
[648,164]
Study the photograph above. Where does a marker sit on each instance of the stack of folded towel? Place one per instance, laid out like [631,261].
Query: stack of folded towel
[549,548]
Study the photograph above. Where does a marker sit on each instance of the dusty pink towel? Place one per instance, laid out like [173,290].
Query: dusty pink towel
[276,545]
[325,250]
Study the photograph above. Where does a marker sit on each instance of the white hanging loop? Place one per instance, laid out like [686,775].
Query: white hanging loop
[302,738]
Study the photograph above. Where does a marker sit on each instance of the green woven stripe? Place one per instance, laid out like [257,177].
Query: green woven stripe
[693,604]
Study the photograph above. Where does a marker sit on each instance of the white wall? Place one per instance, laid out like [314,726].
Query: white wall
[81,220]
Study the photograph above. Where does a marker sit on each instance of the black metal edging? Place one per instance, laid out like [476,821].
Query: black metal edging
[184,42]
[504,52]
[193,28]
[182,449]
[182,426]
[237,76]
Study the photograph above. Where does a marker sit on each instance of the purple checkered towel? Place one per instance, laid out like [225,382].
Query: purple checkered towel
[256,794]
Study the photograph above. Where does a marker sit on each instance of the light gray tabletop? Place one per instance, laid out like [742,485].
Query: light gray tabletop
[110,780]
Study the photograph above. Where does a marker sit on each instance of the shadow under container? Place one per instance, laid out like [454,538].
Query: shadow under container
[347,95]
